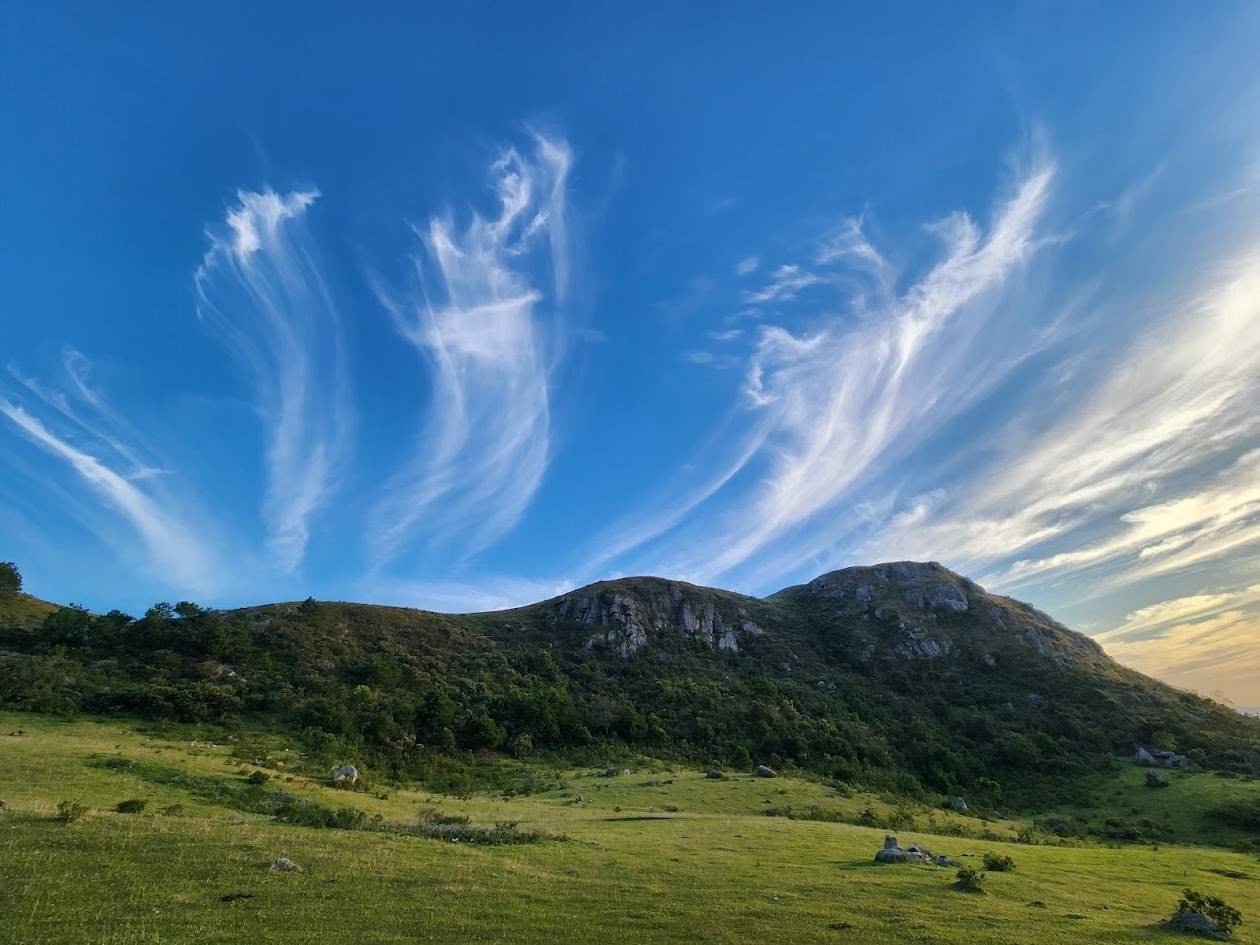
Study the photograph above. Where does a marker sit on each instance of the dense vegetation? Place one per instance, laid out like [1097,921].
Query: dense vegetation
[418,694]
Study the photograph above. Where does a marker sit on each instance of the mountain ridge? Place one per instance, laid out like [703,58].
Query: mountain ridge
[900,676]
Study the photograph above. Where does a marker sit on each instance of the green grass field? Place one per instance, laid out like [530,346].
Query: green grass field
[689,860]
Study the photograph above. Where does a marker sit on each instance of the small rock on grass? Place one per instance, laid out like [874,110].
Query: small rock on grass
[282,864]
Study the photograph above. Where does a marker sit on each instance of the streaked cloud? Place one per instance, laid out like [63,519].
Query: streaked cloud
[785,284]
[1219,654]
[832,406]
[76,425]
[487,319]
[1155,470]
[261,289]
[747,265]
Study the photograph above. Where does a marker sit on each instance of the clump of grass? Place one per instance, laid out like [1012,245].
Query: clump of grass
[71,812]
[970,879]
[998,863]
[132,805]
[258,777]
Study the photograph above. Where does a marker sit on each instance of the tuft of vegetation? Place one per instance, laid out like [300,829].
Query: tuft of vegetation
[998,863]
[969,879]
[1225,916]
[133,805]
[258,778]
[71,812]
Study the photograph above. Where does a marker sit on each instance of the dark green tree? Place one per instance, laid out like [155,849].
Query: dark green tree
[10,579]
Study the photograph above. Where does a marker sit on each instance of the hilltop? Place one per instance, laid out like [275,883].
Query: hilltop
[902,676]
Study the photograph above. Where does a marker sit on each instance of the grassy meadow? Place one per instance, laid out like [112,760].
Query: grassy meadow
[684,859]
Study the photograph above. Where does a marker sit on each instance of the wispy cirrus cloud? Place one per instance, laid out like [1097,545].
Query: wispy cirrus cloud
[1154,471]
[75,424]
[260,287]
[486,319]
[869,381]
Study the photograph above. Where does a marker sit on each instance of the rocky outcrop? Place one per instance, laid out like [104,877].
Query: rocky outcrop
[893,853]
[346,774]
[1159,758]
[628,621]
[1194,923]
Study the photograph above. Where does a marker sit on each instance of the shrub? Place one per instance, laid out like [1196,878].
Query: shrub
[1224,915]
[258,777]
[998,863]
[1243,815]
[970,879]
[71,811]
[317,815]
[131,806]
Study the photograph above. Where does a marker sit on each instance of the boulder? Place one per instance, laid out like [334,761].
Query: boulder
[1143,757]
[763,772]
[346,773]
[1155,779]
[892,853]
[282,864]
[610,773]
[1194,923]
[959,805]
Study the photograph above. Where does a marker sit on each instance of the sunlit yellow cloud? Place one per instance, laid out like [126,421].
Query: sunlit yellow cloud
[1218,654]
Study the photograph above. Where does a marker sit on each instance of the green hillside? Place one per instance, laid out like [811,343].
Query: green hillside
[903,677]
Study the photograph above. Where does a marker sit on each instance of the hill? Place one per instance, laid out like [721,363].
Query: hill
[903,677]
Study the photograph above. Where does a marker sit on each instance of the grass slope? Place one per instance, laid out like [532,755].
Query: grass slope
[715,870]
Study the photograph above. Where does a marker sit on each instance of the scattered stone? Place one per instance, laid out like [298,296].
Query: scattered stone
[1156,780]
[763,772]
[282,864]
[1194,923]
[960,805]
[893,853]
[346,773]
[653,784]
[610,773]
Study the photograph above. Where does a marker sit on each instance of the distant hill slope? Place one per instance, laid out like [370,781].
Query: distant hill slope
[903,675]
[23,610]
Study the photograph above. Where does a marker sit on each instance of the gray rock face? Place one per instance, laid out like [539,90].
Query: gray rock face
[282,864]
[1192,923]
[1156,780]
[959,805]
[763,772]
[1143,757]
[937,595]
[629,621]
[346,773]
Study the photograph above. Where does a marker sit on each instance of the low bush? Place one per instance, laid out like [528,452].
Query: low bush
[131,806]
[71,811]
[317,815]
[1217,910]
[970,879]
[258,777]
[998,863]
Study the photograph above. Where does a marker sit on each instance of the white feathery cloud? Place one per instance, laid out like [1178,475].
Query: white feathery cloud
[835,405]
[116,473]
[487,321]
[747,265]
[785,284]
[1155,471]
[261,288]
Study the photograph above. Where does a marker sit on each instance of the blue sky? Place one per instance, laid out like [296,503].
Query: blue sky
[463,305]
